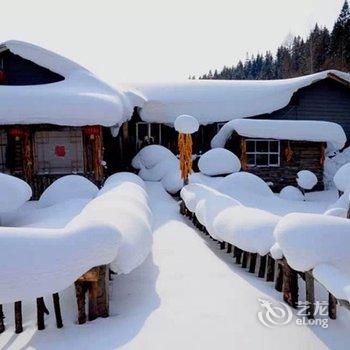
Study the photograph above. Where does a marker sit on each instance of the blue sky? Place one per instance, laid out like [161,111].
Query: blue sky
[130,40]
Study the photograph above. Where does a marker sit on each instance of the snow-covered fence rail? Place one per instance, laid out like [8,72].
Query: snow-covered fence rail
[106,234]
[278,249]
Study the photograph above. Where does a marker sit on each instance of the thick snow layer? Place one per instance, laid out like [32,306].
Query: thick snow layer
[151,155]
[291,193]
[244,182]
[297,130]
[186,124]
[14,192]
[219,161]
[68,187]
[186,281]
[333,163]
[342,178]
[339,212]
[157,163]
[217,100]
[310,240]
[247,228]
[200,178]
[55,244]
[80,99]
[192,194]
[306,179]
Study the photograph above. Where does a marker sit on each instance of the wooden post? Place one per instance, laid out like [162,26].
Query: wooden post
[270,273]
[262,267]
[40,309]
[103,292]
[310,294]
[2,325]
[252,263]
[229,248]
[238,255]
[182,208]
[93,291]
[279,278]
[28,159]
[222,245]
[80,295]
[58,315]
[245,259]
[290,285]
[18,317]
[332,306]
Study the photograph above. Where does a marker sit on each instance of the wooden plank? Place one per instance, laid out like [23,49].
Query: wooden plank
[310,294]
[57,307]
[18,317]
[262,266]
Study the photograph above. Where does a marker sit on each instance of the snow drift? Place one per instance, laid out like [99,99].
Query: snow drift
[38,260]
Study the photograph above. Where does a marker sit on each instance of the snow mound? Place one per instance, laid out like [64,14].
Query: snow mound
[342,178]
[291,193]
[219,161]
[192,194]
[333,163]
[249,229]
[209,181]
[157,163]
[150,156]
[68,187]
[306,179]
[14,192]
[186,124]
[319,242]
[297,130]
[240,183]
[339,212]
[86,233]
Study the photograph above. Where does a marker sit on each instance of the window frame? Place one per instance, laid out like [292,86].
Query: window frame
[149,133]
[268,153]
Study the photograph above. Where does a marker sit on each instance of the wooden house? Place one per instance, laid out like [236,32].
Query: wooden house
[55,116]
[276,150]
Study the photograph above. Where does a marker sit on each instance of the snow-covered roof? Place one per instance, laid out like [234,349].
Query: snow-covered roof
[220,100]
[80,99]
[297,130]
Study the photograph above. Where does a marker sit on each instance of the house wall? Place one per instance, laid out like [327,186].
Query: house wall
[326,100]
[306,156]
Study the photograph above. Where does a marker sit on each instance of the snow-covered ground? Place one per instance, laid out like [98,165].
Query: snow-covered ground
[187,295]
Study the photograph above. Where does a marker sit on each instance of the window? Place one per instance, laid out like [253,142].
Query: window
[147,134]
[3,148]
[59,152]
[263,152]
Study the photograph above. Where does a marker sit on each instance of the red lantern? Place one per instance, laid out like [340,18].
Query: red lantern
[92,131]
[2,77]
[16,132]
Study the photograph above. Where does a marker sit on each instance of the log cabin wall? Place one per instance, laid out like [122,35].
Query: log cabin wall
[40,154]
[294,156]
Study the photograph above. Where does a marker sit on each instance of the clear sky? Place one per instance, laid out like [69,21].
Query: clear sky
[159,40]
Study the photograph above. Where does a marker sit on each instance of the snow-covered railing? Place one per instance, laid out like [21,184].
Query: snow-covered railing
[281,249]
[39,261]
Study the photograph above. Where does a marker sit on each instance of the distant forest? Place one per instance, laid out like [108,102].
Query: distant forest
[319,51]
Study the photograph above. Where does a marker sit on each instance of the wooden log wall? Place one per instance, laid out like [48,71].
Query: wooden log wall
[304,156]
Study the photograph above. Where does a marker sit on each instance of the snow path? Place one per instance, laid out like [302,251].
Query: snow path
[187,295]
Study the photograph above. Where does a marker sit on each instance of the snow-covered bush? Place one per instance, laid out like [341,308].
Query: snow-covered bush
[186,124]
[306,179]
[219,161]
[104,230]
[14,192]
[68,187]
[321,243]
[236,184]
[291,193]
[157,163]
[342,178]
[249,229]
